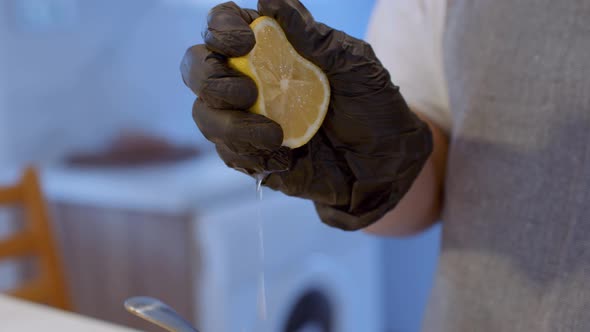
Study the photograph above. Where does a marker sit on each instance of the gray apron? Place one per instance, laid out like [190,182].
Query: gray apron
[516,231]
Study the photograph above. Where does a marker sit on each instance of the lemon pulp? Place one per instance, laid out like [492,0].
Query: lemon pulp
[292,91]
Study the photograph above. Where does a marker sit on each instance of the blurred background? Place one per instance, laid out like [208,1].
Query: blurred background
[91,95]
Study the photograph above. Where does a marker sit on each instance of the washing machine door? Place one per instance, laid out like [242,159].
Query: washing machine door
[313,312]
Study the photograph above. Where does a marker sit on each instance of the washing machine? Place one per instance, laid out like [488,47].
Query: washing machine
[316,278]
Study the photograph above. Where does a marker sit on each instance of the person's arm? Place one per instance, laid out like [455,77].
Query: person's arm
[407,37]
[420,207]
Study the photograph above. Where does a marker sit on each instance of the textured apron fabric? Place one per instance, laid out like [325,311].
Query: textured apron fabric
[516,234]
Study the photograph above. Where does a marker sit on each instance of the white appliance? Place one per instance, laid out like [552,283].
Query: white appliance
[317,278]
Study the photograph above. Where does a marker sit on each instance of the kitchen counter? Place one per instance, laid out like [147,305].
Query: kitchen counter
[17,315]
[195,185]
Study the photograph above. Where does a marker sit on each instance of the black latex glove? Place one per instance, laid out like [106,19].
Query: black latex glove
[370,147]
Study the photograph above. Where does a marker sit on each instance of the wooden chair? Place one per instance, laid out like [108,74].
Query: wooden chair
[35,240]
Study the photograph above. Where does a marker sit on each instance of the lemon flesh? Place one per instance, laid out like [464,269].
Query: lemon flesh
[292,91]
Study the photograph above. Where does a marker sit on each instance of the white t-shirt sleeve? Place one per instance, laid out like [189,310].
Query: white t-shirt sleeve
[407,37]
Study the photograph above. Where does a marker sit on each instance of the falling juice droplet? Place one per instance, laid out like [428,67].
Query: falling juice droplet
[262,307]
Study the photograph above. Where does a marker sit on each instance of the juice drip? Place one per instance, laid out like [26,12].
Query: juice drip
[262,306]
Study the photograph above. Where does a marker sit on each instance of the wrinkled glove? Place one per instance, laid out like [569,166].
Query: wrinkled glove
[370,147]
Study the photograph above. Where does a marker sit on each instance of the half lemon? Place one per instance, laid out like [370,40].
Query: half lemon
[292,91]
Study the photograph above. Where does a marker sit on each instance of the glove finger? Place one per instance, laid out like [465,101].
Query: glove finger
[305,184]
[208,76]
[327,184]
[228,31]
[263,162]
[315,41]
[242,132]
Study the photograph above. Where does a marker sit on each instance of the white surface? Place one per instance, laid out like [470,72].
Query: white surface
[196,185]
[407,36]
[16,315]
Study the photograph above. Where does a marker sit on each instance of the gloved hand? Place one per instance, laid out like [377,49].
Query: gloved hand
[370,147]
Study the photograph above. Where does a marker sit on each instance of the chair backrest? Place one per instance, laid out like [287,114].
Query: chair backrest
[34,239]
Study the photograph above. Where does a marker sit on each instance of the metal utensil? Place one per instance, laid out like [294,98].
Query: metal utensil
[158,313]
